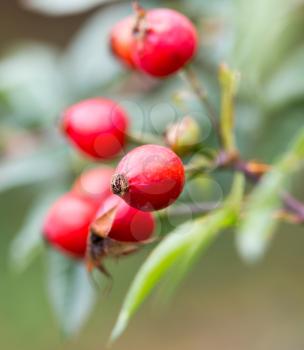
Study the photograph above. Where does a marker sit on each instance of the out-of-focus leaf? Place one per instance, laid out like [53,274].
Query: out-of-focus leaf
[63,7]
[31,81]
[28,241]
[71,292]
[186,241]
[175,275]
[88,60]
[287,85]
[229,83]
[252,35]
[40,166]
[259,221]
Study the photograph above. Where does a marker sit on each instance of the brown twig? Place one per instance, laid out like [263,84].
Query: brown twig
[295,206]
[253,172]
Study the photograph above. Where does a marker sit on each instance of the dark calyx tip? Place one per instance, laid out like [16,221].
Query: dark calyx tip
[119,184]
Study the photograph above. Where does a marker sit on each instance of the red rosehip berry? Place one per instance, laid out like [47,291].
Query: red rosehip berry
[94,184]
[165,41]
[130,224]
[121,41]
[67,223]
[97,127]
[150,177]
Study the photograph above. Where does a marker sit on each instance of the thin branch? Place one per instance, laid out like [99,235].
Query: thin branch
[203,165]
[185,210]
[140,138]
[253,171]
[294,205]
[201,93]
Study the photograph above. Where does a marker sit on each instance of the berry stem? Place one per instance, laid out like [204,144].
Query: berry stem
[138,9]
[229,82]
[202,165]
[185,210]
[140,14]
[202,95]
[140,138]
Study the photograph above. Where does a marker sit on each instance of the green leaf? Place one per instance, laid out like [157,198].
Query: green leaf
[176,274]
[252,20]
[28,242]
[259,222]
[71,292]
[63,7]
[40,166]
[287,85]
[186,242]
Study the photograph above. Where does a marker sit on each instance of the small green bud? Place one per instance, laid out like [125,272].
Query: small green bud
[183,136]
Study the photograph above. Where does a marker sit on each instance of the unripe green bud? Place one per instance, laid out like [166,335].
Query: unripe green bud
[183,136]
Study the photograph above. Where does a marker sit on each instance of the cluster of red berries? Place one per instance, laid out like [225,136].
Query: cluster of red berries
[67,224]
[148,178]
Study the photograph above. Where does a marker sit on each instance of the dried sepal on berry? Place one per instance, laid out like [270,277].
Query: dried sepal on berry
[96,247]
[100,245]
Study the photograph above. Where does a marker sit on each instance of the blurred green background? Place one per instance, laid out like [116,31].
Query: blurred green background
[53,54]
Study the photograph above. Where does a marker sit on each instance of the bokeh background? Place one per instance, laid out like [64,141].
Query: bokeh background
[54,53]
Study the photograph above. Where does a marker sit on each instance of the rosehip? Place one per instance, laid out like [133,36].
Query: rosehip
[97,127]
[66,226]
[130,224]
[166,40]
[150,177]
[121,41]
[94,184]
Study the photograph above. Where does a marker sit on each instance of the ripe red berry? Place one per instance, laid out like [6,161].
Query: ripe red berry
[97,127]
[66,226]
[150,177]
[94,184]
[166,40]
[130,224]
[121,41]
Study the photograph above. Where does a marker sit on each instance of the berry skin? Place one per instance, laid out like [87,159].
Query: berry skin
[94,184]
[150,177]
[66,226]
[97,127]
[121,41]
[130,224]
[165,42]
